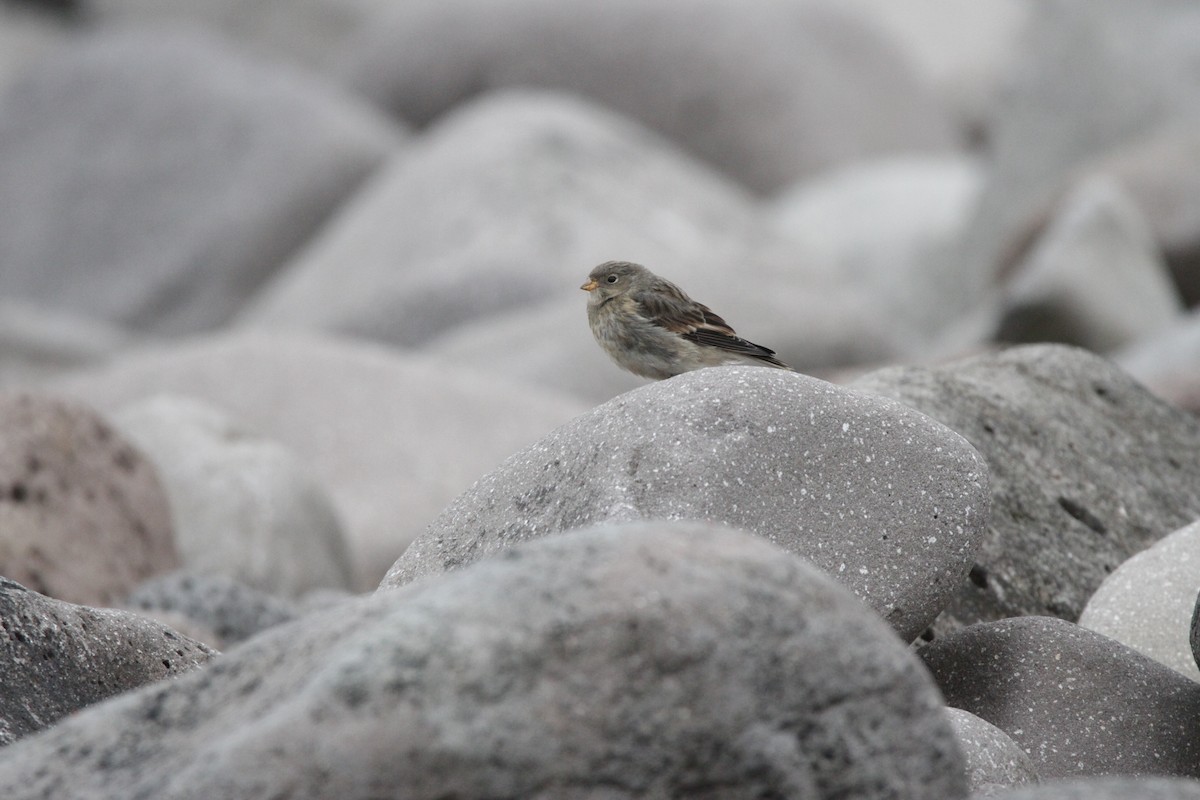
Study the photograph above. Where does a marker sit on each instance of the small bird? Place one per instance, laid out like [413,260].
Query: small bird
[650,327]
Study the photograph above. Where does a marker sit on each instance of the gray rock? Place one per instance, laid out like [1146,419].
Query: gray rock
[57,658]
[1077,702]
[666,660]
[1169,362]
[156,179]
[233,611]
[1087,468]
[25,36]
[391,437]
[994,761]
[1195,637]
[39,343]
[1147,602]
[1096,75]
[509,202]
[767,91]
[1095,278]
[1121,788]
[884,499]
[243,505]
[84,516]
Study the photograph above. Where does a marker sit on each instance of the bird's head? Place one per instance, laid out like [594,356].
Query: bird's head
[612,279]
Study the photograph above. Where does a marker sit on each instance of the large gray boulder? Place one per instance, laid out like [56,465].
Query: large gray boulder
[664,660]
[1087,468]
[57,658]
[156,179]
[886,500]
[1080,704]
[768,91]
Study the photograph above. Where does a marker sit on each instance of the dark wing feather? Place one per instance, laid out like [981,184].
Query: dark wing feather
[667,306]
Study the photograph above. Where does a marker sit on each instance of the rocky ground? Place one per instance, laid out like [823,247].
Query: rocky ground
[314,484]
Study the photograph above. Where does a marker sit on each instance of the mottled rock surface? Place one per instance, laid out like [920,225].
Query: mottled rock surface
[1087,468]
[83,515]
[57,658]
[664,660]
[889,502]
[1077,702]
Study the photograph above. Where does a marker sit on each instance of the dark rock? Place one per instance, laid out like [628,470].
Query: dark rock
[57,658]
[84,517]
[1087,468]
[665,660]
[1077,702]
[884,499]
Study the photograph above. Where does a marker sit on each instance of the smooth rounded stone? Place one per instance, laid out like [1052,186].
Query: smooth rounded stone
[157,178]
[25,36]
[655,660]
[1119,788]
[1148,601]
[994,761]
[1095,278]
[768,91]
[509,202]
[964,49]
[244,506]
[232,610]
[1077,702]
[1095,76]
[878,222]
[310,32]
[1087,468]
[1168,363]
[84,516]
[884,499]
[391,437]
[57,658]
[38,343]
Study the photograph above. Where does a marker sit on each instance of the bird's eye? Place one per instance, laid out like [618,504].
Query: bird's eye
[611,279]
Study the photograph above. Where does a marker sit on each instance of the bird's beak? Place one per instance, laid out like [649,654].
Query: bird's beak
[590,286]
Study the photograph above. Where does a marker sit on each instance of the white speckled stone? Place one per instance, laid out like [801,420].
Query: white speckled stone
[886,500]
[1147,603]
[994,761]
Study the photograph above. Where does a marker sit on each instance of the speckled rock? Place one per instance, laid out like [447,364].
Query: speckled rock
[57,658]
[1087,468]
[666,660]
[243,505]
[156,178]
[231,610]
[889,502]
[1147,603]
[1095,278]
[1121,788]
[84,516]
[767,91]
[1077,702]
[994,761]
[392,437]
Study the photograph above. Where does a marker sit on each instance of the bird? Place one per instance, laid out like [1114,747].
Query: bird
[650,327]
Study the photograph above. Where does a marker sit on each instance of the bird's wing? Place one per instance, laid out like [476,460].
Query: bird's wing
[668,307]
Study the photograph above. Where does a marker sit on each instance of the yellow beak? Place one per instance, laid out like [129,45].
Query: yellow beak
[590,286]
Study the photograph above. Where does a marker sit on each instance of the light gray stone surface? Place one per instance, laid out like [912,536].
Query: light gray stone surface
[244,506]
[1168,362]
[1080,704]
[1148,601]
[994,761]
[391,437]
[882,498]
[82,513]
[1087,468]
[1095,278]
[1145,788]
[768,91]
[156,178]
[665,660]
[57,657]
